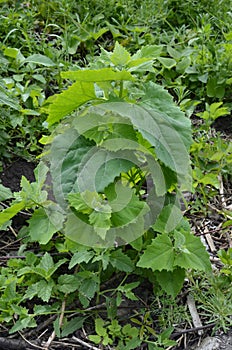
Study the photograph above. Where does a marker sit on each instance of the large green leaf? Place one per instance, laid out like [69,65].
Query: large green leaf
[69,100]
[81,91]
[186,252]
[158,99]
[66,154]
[170,137]
[159,255]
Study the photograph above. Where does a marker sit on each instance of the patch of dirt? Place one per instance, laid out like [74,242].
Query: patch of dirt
[12,173]
[11,177]
[224,124]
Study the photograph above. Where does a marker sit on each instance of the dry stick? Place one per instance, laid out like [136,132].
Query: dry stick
[52,336]
[85,344]
[191,330]
[13,231]
[209,240]
[193,311]
[28,342]
[221,191]
[64,343]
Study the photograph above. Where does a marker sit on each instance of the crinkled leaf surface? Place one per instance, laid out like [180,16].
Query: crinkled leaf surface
[68,283]
[162,131]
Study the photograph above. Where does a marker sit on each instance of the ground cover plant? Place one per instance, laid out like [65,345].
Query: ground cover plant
[123,226]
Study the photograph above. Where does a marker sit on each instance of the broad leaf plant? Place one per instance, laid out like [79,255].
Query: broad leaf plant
[112,173]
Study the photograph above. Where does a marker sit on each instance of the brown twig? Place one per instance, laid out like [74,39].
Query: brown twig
[85,344]
[52,336]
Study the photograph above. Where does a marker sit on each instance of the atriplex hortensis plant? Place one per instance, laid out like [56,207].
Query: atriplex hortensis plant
[118,159]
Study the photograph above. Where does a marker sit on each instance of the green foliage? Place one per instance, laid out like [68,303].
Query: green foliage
[97,80]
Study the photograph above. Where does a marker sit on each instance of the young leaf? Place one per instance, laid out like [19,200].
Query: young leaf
[100,219]
[120,56]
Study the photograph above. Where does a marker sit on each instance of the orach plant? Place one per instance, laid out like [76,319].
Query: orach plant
[118,160]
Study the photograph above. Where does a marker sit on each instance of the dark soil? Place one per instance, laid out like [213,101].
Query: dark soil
[224,124]
[12,173]
[11,177]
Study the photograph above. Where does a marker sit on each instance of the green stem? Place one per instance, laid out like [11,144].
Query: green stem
[121,89]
